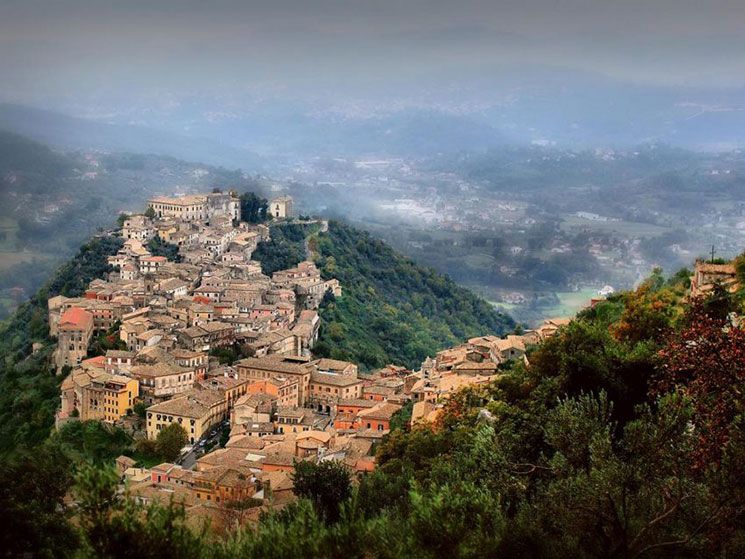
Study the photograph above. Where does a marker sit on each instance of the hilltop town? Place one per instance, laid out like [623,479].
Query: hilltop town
[247,420]
[325,280]
[165,322]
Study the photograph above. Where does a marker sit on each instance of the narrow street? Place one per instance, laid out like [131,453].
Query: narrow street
[188,460]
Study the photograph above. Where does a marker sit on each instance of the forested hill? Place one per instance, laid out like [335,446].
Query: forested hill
[392,310]
[29,389]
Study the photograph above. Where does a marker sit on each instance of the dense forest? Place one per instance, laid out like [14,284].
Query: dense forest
[392,310]
[286,247]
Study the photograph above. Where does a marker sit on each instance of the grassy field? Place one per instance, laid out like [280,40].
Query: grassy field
[479,261]
[573,302]
[569,304]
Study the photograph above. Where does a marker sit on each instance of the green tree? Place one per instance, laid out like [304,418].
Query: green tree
[150,213]
[33,486]
[626,498]
[460,520]
[170,441]
[96,493]
[227,355]
[402,418]
[114,525]
[327,485]
[285,249]
[585,357]
[140,409]
[254,208]
[159,247]
[92,441]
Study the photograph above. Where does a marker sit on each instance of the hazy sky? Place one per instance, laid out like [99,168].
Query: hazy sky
[66,47]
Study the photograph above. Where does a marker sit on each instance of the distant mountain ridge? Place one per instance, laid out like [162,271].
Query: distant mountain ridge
[68,132]
[50,201]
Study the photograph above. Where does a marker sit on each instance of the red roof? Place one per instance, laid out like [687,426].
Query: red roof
[364,465]
[76,318]
[97,361]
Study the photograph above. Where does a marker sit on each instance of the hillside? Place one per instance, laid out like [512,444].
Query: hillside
[392,310]
[50,202]
[29,389]
[73,133]
[623,437]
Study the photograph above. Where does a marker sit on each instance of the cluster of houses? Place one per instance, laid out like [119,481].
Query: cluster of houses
[472,363]
[165,316]
[283,409]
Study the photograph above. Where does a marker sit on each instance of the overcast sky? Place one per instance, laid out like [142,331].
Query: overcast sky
[69,47]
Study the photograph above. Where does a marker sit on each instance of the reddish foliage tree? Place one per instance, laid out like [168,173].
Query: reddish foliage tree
[706,359]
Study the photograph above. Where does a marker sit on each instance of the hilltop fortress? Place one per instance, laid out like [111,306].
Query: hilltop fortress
[197,207]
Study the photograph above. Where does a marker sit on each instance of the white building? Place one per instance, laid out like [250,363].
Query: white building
[281,207]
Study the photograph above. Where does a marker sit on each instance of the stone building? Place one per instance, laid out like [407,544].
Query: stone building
[197,207]
[97,395]
[185,208]
[75,330]
[281,207]
[706,275]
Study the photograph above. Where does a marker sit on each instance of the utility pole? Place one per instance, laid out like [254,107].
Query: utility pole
[712,254]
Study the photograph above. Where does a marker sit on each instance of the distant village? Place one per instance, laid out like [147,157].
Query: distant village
[280,404]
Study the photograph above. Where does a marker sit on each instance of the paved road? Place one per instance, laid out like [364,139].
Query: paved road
[188,460]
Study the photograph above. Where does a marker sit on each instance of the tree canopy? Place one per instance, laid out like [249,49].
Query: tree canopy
[327,485]
[254,208]
[170,441]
